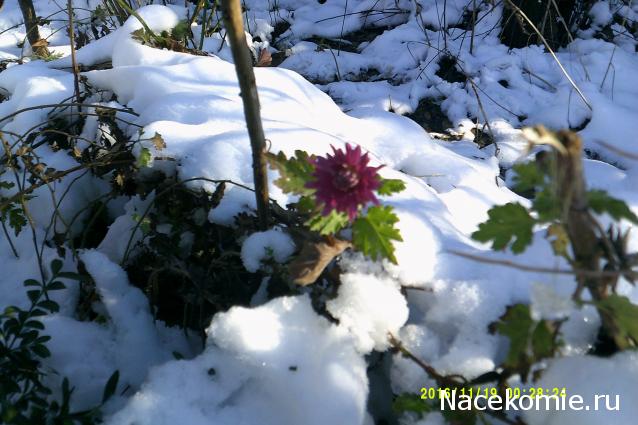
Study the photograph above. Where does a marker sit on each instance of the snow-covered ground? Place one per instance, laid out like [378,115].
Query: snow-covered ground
[280,362]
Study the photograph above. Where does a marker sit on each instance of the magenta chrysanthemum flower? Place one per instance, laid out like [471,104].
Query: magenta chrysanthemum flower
[344,181]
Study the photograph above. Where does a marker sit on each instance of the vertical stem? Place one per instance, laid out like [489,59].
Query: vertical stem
[31,24]
[244,67]
[74,64]
[582,229]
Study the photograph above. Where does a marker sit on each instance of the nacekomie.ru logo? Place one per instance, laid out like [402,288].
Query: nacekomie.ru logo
[454,400]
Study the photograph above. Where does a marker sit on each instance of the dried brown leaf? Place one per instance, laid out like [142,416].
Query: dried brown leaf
[265,58]
[314,258]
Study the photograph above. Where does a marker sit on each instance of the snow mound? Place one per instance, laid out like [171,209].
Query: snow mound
[278,364]
[260,246]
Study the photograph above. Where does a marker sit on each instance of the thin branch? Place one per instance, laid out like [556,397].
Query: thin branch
[545,270]
[250,97]
[551,52]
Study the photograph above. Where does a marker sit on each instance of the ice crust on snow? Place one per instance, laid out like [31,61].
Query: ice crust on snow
[282,363]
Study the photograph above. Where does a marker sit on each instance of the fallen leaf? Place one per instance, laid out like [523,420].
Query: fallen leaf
[265,58]
[314,258]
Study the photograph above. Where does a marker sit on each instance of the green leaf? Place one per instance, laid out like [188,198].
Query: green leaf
[34,324]
[306,205]
[547,205]
[181,30]
[373,234]
[543,345]
[33,295]
[328,224]
[294,172]
[49,305]
[111,386]
[56,285]
[506,223]
[530,341]
[31,282]
[144,159]
[56,266]
[516,324]
[390,186]
[410,403]
[601,202]
[625,313]
[41,351]
[528,177]
[17,219]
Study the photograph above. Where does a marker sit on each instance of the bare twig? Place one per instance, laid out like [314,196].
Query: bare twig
[74,64]
[551,52]
[544,270]
[619,151]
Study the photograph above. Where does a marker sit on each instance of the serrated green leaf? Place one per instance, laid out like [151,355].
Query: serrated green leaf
[294,172]
[547,205]
[625,313]
[600,202]
[528,177]
[16,218]
[390,186]
[543,345]
[506,223]
[373,233]
[530,341]
[328,224]
[306,205]
[516,324]
[410,403]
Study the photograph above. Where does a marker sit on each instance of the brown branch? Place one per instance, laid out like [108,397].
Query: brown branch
[545,270]
[74,64]
[619,151]
[38,45]
[448,381]
[244,67]
[582,229]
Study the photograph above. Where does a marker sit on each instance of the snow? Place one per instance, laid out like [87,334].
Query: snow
[371,308]
[281,362]
[260,246]
[271,365]
[588,376]
[600,13]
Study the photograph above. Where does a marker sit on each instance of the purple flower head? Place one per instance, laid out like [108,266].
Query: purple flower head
[344,181]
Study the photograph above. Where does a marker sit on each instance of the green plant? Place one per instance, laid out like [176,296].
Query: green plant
[24,399]
[562,203]
[373,228]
